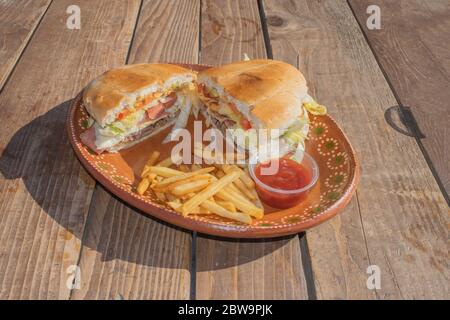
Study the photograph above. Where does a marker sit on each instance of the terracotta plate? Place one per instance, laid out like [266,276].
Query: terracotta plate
[339,174]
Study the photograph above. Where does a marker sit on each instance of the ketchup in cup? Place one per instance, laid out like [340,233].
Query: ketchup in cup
[283,183]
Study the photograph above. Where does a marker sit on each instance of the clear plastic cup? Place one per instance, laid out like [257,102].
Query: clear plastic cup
[286,198]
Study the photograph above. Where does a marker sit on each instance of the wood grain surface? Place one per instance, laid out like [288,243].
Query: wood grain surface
[400,219]
[53,217]
[45,193]
[232,269]
[413,49]
[18,20]
[125,253]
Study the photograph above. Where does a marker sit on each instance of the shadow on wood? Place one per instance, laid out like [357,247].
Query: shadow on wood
[49,167]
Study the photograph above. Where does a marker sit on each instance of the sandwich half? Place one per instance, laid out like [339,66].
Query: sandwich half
[134,102]
[258,94]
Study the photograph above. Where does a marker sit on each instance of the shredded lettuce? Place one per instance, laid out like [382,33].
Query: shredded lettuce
[213,92]
[130,120]
[314,108]
[114,128]
[294,136]
[181,121]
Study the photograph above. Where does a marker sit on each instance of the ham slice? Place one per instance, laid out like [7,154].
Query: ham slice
[88,138]
[154,112]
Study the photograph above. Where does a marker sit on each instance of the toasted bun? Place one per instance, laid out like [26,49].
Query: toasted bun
[268,92]
[107,95]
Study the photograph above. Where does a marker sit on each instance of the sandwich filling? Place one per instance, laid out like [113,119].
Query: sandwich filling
[225,115]
[143,117]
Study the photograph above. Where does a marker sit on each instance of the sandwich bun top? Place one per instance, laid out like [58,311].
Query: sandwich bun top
[268,92]
[111,92]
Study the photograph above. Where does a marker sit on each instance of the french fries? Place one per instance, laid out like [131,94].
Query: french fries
[161,196]
[150,162]
[164,171]
[245,178]
[241,203]
[225,190]
[143,186]
[227,205]
[211,190]
[165,163]
[217,209]
[190,187]
[243,188]
[183,176]
[183,167]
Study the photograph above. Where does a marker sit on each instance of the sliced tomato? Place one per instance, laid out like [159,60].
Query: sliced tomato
[139,105]
[245,124]
[171,99]
[148,99]
[123,114]
[155,112]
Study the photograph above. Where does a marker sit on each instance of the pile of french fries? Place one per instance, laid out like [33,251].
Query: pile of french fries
[222,189]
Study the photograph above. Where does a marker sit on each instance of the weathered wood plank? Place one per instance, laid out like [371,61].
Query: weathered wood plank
[44,192]
[233,269]
[18,19]
[413,49]
[124,252]
[400,220]
[168,31]
[130,255]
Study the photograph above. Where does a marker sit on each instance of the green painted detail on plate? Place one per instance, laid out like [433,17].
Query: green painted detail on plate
[104,166]
[319,130]
[338,179]
[84,124]
[119,179]
[329,145]
[339,159]
[317,209]
[293,219]
[266,224]
[333,195]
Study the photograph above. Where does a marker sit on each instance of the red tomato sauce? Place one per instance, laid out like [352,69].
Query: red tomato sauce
[289,176]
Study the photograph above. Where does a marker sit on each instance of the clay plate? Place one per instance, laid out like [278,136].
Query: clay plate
[119,172]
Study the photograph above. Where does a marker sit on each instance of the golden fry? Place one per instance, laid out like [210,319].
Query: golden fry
[175,205]
[153,158]
[257,201]
[183,167]
[241,203]
[247,179]
[227,205]
[161,196]
[181,182]
[165,172]
[183,176]
[170,196]
[235,189]
[217,209]
[241,186]
[220,174]
[143,186]
[244,177]
[165,163]
[211,190]
[189,187]
[150,162]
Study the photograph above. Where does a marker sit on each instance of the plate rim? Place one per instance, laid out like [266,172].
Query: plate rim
[227,231]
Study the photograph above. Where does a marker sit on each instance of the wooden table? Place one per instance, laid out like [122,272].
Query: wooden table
[387,88]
